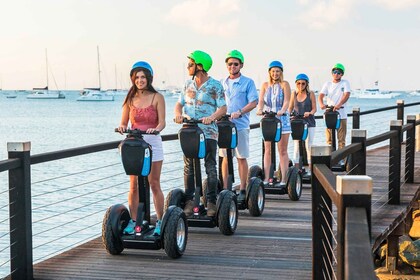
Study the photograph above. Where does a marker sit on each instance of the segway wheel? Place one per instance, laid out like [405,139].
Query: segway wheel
[175,197]
[115,220]
[255,171]
[256,197]
[175,234]
[227,213]
[294,183]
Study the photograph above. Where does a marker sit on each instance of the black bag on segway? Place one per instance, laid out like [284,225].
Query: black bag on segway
[193,141]
[228,137]
[299,129]
[271,129]
[136,156]
[332,119]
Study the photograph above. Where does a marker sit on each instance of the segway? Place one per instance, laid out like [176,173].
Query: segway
[255,194]
[333,122]
[193,146]
[300,132]
[271,131]
[136,157]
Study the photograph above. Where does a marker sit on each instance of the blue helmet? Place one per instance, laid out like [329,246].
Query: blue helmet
[141,64]
[302,77]
[275,63]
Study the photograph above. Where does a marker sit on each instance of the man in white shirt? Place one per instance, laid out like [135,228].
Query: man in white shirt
[337,92]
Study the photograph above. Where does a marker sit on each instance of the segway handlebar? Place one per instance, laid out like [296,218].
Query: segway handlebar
[136,131]
[329,108]
[271,114]
[226,117]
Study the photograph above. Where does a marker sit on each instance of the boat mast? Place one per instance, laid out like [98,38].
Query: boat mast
[46,63]
[99,68]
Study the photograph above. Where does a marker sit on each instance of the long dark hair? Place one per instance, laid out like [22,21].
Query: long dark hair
[133,89]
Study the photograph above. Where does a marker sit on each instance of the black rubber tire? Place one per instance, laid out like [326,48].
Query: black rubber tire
[175,197]
[294,184]
[255,190]
[170,235]
[112,224]
[226,226]
[255,171]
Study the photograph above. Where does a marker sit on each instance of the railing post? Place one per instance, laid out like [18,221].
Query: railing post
[321,216]
[409,150]
[356,118]
[417,134]
[357,164]
[395,163]
[354,191]
[400,110]
[20,212]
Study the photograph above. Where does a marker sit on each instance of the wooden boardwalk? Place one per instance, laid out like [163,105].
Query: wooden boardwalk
[276,245]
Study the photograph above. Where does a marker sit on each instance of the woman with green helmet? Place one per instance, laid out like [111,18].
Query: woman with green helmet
[203,99]
[337,92]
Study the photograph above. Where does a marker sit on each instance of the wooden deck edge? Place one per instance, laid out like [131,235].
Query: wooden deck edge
[397,222]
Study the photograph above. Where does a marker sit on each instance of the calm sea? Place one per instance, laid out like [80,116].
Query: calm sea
[52,125]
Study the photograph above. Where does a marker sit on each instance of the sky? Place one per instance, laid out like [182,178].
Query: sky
[376,40]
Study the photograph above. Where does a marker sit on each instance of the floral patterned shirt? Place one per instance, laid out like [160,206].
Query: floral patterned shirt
[203,102]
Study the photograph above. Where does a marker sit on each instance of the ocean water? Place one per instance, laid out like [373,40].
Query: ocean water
[70,196]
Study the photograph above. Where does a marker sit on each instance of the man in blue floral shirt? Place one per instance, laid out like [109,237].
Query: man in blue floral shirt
[204,99]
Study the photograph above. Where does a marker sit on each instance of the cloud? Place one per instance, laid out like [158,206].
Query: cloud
[208,17]
[323,13]
[398,5]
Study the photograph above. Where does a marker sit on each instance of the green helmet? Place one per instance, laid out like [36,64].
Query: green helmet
[235,54]
[202,58]
[339,66]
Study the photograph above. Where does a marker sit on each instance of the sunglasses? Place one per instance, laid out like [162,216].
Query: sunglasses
[233,63]
[301,83]
[337,72]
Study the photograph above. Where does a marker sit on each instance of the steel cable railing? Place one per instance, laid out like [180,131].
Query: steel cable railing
[72,174]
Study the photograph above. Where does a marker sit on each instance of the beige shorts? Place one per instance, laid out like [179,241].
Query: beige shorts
[242,150]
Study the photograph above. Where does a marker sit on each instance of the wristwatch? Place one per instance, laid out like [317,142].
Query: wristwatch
[240,111]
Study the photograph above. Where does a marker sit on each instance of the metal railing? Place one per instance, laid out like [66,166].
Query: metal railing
[333,252]
[20,164]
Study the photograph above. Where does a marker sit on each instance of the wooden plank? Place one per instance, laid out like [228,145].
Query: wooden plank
[276,245]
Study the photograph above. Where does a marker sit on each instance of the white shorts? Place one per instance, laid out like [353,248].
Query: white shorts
[242,150]
[156,142]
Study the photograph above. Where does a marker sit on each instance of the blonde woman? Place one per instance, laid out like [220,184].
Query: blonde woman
[275,97]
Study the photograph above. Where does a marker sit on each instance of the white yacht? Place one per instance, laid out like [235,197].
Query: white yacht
[375,93]
[95,94]
[45,93]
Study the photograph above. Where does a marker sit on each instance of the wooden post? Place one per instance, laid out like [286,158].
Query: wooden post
[400,110]
[409,150]
[357,161]
[321,216]
[354,191]
[20,212]
[418,134]
[356,118]
[394,177]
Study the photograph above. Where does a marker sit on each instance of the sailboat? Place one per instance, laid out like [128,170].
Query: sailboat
[45,93]
[96,94]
